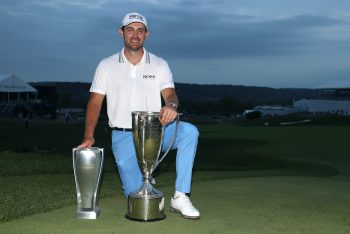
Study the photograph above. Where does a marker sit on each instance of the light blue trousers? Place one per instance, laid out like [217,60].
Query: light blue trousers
[125,156]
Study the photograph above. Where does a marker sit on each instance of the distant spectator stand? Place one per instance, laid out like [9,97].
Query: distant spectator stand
[11,84]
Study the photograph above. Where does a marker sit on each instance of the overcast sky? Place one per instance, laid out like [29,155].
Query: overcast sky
[270,43]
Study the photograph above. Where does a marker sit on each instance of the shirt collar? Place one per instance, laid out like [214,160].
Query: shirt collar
[144,60]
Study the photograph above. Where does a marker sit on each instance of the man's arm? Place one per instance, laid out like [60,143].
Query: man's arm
[92,114]
[169,111]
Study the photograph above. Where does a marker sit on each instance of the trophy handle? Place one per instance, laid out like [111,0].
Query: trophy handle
[172,142]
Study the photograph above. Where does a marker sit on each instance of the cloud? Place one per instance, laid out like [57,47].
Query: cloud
[206,37]
[276,37]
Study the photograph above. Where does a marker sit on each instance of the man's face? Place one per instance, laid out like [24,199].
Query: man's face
[134,35]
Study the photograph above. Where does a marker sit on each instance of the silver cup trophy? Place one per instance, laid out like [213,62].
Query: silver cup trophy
[87,165]
[147,204]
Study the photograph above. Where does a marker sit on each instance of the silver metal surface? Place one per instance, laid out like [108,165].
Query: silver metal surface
[87,165]
[147,204]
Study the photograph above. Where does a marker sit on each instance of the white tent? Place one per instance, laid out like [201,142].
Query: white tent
[341,107]
[13,84]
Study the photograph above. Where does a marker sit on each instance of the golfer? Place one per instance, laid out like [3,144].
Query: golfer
[136,80]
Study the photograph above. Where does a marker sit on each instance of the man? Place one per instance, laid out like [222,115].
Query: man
[135,80]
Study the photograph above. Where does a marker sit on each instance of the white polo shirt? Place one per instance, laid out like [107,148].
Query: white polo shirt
[131,87]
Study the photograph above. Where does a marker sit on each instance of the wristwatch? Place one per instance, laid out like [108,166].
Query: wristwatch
[173,105]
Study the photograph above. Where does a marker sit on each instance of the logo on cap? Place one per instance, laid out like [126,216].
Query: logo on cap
[135,17]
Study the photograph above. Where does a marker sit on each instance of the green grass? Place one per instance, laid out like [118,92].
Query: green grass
[46,136]
[37,176]
[243,205]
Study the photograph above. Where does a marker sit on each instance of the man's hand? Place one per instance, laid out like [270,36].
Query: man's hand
[168,114]
[87,143]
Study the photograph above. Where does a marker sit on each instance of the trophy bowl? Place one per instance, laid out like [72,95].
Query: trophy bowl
[147,204]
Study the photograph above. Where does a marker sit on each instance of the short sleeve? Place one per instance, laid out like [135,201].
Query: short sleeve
[99,83]
[166,77]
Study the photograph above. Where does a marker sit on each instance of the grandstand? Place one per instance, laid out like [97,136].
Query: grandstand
[19,99]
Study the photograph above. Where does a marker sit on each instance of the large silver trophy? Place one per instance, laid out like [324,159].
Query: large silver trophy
[87,164]
[147,204]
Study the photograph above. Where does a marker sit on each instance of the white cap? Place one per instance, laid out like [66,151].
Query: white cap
[134,17]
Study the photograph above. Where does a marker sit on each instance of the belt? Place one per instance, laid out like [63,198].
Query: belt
[122,129]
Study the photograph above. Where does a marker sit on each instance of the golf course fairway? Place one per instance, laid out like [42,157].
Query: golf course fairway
[279,204]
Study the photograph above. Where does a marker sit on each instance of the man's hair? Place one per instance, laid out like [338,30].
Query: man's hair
[123,28]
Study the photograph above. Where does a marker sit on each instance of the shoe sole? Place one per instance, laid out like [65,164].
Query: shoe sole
[184,216]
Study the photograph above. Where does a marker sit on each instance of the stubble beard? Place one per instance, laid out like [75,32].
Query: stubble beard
[133,48]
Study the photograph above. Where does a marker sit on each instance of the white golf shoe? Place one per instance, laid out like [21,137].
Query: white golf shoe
[181,204]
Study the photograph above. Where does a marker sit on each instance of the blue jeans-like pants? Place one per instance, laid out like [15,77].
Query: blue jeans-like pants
[125,156]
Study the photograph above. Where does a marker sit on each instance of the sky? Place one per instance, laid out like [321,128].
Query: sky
[270,43]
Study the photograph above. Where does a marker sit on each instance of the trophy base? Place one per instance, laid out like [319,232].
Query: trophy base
[143,220]
[87,213]
[145,209]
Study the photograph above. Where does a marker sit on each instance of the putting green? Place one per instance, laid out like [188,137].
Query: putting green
[246,205]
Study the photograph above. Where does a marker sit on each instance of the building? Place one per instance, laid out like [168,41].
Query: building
[274,110]
[341,107]
[13,89]
[19,99]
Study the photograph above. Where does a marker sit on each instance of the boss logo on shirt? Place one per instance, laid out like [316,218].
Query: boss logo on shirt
[149,77]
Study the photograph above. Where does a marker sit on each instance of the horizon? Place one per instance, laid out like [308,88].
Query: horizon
[182,83]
